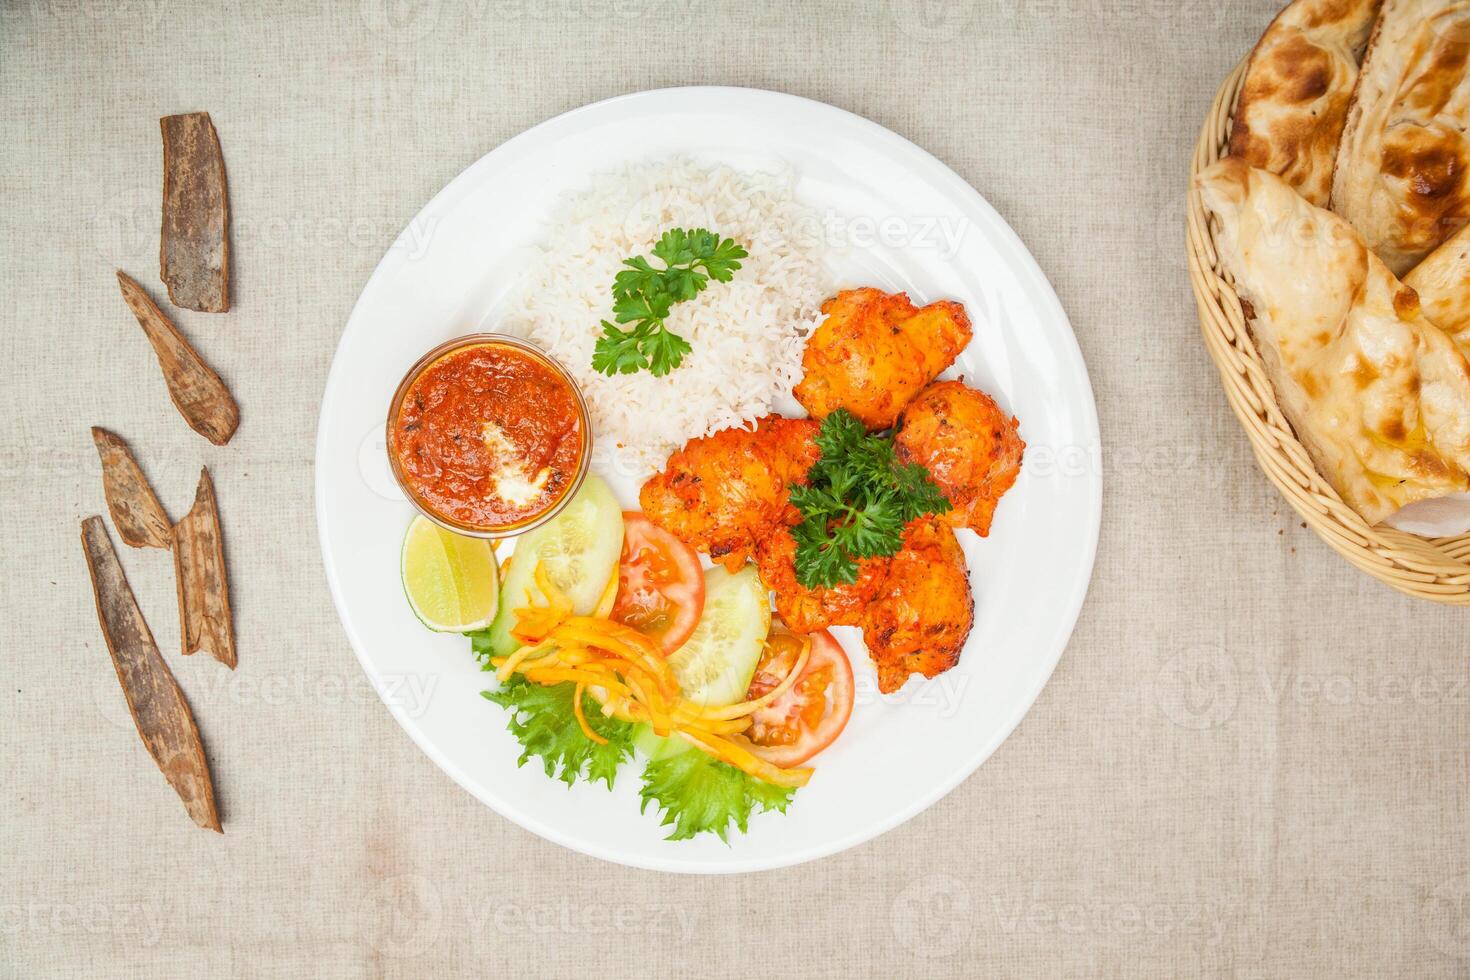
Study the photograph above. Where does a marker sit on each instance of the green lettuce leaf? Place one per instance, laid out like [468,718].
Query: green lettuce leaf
[699,794]
[481,646]
[541,719]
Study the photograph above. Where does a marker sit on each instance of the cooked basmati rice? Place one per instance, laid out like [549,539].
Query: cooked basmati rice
[747,334]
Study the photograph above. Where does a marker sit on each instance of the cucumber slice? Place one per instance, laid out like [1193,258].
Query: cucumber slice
[497,641]
[656,747]
[715,664]
[580,548]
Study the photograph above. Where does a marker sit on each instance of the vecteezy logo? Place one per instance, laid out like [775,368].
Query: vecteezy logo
[931,917]
[373,465]
[108,696]
[1198,688]
[401,20]
[1447,917]
[130,224]
[931,20]
[401,915]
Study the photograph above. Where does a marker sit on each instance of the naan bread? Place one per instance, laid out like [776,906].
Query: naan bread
[1378,395]
[1401,170]
[1443,284]
[1297,88]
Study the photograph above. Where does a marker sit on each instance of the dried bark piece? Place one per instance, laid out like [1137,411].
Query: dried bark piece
[198,393]
[204,588]
[194,254]
[139,517]
[157,704]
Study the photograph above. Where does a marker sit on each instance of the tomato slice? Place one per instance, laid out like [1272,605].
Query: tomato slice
[660,583]
[809,716]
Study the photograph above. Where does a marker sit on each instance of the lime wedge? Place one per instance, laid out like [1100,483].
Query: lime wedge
[451,581]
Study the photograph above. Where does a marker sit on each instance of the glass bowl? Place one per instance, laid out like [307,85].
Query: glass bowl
[535,353]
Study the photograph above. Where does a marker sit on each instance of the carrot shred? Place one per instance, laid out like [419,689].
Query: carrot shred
[582,718]
[535,622]
[755,704]
[515,660]
[747,762]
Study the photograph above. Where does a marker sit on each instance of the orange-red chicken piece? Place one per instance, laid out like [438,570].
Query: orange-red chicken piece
[724,492]
[920,622]
[807,610]
[970,447]
[875,351]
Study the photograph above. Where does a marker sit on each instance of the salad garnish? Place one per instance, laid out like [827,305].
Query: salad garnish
[579,688]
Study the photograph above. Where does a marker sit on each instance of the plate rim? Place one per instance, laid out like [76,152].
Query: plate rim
[1041,290]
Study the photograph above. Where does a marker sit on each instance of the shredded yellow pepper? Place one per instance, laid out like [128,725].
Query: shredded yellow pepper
[626,674]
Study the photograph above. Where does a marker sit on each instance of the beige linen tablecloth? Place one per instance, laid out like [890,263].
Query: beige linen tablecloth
[1252,760]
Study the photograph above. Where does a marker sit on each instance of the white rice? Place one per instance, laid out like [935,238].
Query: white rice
[747,334]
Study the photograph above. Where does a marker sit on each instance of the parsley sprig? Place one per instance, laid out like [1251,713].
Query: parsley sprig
[857,500]
[643,296]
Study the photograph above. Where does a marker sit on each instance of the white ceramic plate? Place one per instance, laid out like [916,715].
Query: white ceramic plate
[899,219]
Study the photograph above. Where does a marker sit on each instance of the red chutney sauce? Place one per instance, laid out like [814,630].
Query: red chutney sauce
[489,436]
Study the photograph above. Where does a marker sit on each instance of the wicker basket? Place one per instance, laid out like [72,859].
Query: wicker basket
[1435,568]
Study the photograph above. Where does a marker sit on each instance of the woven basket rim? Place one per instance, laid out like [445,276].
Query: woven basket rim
[1437,569]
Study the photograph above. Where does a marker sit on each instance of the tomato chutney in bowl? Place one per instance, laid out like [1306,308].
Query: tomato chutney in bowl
[488,435]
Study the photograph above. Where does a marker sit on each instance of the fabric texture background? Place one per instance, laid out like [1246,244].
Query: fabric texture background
[1252,761]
